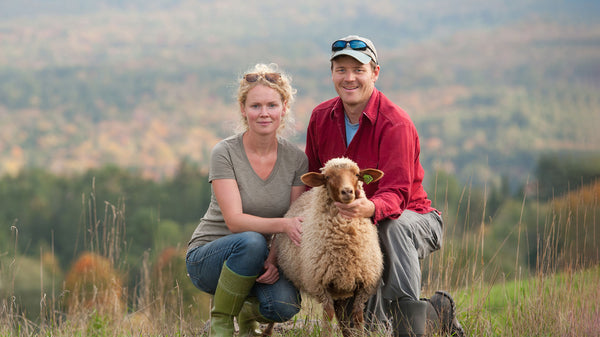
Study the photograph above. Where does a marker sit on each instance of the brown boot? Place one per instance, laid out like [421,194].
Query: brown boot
[441,315]
[408,318]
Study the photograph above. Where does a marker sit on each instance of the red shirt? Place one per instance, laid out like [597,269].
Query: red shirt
[386,140]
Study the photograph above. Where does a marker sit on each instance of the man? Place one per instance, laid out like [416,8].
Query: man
[364,125]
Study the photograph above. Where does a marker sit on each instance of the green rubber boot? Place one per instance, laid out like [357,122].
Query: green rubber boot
[249,319]
[229,297]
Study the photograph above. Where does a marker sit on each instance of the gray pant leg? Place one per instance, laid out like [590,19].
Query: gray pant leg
[404,242]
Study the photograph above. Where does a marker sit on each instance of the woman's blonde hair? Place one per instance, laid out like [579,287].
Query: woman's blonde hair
[281,83]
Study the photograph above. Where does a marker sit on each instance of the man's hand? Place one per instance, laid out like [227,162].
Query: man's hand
[359,208]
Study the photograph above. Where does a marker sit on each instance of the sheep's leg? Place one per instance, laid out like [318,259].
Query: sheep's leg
[357,317]
[343,315]
[361,296]
[268,331]
[328,316]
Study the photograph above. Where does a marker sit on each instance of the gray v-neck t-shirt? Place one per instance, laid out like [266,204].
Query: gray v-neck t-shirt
[268,198]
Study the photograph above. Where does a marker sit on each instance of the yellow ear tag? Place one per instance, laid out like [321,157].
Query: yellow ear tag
[367,178]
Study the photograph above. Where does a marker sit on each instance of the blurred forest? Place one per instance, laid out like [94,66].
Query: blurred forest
[144,84]
[109,109]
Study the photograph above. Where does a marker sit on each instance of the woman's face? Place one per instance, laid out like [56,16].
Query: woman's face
[263,110]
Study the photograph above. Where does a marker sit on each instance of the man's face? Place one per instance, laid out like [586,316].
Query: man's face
[353,81]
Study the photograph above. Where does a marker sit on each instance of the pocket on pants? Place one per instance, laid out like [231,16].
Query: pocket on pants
[430,234]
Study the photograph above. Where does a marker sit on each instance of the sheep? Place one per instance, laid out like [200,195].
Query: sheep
[339,258]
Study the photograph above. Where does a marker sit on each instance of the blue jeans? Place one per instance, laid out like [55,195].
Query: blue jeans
[245,254]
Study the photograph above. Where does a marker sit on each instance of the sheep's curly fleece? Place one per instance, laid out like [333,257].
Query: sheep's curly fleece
[338,258]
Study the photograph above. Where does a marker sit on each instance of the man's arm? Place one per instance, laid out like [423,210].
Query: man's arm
[398,158]
[314,163]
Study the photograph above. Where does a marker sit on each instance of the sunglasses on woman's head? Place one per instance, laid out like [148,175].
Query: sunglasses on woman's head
[271,77]
[354,44]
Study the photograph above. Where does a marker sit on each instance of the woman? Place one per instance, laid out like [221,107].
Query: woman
[255,175]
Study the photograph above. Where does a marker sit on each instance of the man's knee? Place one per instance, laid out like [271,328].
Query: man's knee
[395,230]
[422,232]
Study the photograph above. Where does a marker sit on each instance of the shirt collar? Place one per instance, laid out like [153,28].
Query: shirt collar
[370,109]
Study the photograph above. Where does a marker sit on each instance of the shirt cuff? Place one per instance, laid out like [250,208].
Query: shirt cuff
[382,212]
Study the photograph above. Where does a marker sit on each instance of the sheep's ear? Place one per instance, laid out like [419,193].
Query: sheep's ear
[313,179]
[370,175]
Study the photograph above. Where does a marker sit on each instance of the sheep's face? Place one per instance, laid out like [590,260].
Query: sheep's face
[342,184]
[341,178]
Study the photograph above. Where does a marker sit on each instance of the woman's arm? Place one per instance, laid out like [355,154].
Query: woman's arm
[228,196]
[296,192]
[271,273]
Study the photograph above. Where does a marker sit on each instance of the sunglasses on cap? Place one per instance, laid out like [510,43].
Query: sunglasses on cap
[354,44]
[271,77]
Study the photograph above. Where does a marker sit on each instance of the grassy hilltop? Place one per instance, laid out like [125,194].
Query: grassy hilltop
[109,109]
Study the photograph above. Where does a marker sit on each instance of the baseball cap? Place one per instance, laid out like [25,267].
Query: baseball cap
[358,47]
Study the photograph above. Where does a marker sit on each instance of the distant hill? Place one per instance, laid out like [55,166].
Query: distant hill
[490,85]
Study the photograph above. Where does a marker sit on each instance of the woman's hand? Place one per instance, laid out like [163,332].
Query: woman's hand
[294,230]
[270,275]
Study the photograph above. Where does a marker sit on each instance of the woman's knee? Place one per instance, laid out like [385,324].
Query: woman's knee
[282,311]
[248,254]
[279,301]
[285,311]
[253,243]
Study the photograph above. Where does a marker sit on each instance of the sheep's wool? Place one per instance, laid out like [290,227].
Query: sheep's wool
[339,163]
[338,257]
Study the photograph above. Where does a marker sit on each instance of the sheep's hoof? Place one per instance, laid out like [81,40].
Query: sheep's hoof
[358,318]
[268,331]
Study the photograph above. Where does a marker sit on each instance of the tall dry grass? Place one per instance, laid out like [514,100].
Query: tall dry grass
[498,292]
[101,295]
[552,288]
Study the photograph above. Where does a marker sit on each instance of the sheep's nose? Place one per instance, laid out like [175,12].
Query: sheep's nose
[346,191]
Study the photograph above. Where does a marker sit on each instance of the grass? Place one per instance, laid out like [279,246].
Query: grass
[557,298]
[561,304]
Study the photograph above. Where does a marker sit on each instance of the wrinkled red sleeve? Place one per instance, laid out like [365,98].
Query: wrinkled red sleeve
[398,159]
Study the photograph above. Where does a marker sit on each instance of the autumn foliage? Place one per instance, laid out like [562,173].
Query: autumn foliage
[576,217]
[93,283]
[172,283]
